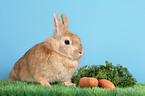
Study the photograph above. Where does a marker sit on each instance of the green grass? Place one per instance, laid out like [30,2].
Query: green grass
[9,88]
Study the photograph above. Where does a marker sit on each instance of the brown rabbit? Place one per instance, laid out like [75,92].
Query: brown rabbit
[54,60]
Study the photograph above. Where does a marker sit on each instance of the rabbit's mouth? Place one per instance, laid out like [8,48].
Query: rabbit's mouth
[71,56]
[76,57]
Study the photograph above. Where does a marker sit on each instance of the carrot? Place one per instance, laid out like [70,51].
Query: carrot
[106,84]
[88,82]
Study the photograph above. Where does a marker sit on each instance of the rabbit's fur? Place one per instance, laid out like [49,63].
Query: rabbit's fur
[54,60]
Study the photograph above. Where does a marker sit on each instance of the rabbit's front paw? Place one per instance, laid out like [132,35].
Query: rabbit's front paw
[69,84]
[43,82]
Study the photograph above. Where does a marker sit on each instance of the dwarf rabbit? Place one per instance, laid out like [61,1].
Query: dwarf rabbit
[54,60]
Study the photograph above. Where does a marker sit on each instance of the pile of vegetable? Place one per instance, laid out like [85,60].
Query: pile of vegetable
[118,75]
[93,82]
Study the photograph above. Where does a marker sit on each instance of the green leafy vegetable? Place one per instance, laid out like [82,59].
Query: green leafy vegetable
[118,75]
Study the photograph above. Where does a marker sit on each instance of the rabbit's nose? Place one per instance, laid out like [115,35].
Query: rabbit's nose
[81,52]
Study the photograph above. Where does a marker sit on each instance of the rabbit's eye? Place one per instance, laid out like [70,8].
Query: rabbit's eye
[67,42]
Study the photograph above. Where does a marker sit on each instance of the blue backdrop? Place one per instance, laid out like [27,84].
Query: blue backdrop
[112,30]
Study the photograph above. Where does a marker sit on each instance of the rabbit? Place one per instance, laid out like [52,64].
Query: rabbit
[54,60]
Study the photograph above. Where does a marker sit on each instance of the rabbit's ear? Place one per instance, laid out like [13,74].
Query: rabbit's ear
[57,23]
[65,20]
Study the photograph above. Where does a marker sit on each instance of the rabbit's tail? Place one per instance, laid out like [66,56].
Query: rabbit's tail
[12,76]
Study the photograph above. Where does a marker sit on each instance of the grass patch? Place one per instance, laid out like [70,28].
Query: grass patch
[10,88]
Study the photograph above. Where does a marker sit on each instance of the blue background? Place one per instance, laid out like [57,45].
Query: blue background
[112,30]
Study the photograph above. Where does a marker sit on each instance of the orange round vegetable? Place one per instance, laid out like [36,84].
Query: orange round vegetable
[88,82]
[106,84]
